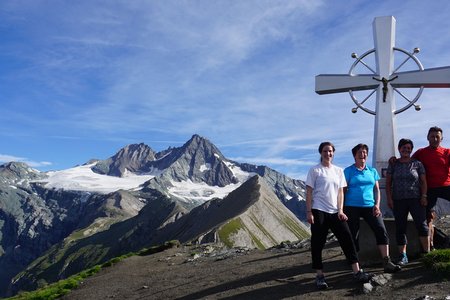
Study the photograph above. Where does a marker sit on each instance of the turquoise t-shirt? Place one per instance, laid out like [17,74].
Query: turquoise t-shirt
[360,184]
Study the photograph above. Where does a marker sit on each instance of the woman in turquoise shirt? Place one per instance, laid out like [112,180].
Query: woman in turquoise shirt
[362,200]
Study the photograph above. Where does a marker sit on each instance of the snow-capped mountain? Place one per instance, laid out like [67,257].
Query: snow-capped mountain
[40,210]
[193,173]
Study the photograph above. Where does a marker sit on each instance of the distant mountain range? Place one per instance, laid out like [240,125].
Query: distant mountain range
[54,224]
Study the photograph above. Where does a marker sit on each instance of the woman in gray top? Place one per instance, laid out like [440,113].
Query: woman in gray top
[406,190]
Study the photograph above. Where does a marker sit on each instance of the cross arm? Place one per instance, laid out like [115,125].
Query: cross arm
[339,83]
[429,78]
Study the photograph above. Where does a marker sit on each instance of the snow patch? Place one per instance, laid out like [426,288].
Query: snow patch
[241,175]
[199,191]
[168,153]
[82,178]
[205,167]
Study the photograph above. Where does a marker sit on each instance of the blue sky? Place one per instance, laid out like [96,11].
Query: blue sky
[82,79]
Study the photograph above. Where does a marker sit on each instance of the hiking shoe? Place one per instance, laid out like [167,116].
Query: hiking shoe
[389,266]
[321,283]
[362,276]
[403,259]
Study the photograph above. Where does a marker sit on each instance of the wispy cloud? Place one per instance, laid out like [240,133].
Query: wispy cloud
[4,158]
[240,73]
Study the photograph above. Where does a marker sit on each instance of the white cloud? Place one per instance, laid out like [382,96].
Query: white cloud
[8,158]
[240,73]
[4,158]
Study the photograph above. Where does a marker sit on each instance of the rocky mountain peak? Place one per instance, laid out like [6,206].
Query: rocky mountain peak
[18,170]
[131,158]
[198,143]
[135,152]
[199,161]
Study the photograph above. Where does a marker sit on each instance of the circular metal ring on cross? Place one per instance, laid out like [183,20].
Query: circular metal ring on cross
[359,60]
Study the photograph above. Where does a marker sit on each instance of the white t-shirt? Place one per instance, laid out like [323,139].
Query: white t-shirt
[325,182]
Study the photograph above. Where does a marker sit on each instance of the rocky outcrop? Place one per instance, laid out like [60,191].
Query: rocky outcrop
[30,223]
[18,173]
[251,216]
[103,239]
[33,219]
[265,224]
[290,191]
[132,158]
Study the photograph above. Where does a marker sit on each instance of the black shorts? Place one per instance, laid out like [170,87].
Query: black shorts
[434,193]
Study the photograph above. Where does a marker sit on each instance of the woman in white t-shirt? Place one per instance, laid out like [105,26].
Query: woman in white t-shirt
[324,205]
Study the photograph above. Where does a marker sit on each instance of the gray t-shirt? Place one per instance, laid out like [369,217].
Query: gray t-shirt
[406,179]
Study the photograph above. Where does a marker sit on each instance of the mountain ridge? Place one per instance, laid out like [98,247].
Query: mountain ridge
[82,202]
[251,216]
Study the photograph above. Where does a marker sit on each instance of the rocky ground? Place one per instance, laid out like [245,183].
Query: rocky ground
[208,272]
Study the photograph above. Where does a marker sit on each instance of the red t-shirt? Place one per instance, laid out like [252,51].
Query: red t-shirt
[437,165]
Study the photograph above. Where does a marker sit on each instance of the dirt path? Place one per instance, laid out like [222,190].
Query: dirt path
[271,274]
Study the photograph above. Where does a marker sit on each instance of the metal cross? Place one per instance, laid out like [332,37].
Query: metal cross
[384,80]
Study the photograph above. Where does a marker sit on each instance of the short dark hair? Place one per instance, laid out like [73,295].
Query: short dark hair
[324,144]
[359,146]
[405,142]
[434,129]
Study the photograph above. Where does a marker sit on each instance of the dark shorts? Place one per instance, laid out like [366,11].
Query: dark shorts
[403,207]
[433,194]
[354,214]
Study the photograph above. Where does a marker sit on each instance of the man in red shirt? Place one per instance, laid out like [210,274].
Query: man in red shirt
[436,160]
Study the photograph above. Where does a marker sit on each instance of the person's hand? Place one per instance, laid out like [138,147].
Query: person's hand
[310,217]
[376,211]
[342,216]
[392,160]
[423,201]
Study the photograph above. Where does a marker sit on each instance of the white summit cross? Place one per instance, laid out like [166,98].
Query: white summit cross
[384,81]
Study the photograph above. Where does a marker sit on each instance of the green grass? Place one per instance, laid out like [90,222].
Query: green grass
[439,261]
[63,287]
[233,227]
[295,228]
[257,241]
[58,289]
[263,230]
[117,259]
[228,229]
